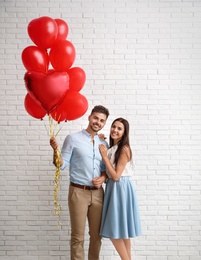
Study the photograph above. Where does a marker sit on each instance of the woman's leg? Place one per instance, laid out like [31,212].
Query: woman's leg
[127,243]
[121,248]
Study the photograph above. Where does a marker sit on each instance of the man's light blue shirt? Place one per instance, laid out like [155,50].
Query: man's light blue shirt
[83,158]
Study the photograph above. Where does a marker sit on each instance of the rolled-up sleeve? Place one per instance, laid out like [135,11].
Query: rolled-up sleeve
[102,166]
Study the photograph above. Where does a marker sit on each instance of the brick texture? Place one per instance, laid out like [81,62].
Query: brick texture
[143,61]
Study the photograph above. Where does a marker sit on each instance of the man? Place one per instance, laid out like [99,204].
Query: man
[80,152]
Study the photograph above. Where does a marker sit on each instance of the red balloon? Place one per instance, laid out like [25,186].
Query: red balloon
[49,89]
[62,55]
[73,106]
[77,78]
[43,31]
[62,29]
[35,58]
[33,108]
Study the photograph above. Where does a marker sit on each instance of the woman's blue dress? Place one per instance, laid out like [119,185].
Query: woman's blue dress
[120,215]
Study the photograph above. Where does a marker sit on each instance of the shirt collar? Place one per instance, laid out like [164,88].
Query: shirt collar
[87,134]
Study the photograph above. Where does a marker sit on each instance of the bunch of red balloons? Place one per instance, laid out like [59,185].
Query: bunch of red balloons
[53,91]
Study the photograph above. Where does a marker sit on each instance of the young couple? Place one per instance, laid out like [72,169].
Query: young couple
[90,164]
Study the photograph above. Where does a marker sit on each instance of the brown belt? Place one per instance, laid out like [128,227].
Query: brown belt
[83,186]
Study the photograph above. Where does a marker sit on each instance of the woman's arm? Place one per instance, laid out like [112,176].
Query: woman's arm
[123,160]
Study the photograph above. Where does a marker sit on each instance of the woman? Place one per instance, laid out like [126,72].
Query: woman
[120,216]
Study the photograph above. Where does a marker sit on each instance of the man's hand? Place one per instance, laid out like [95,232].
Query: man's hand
[55,147]
[53,143]
[98,181]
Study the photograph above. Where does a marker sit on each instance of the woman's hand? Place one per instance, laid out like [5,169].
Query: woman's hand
[103,150]
[102,136]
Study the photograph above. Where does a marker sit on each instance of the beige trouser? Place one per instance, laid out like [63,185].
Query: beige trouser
[85,204]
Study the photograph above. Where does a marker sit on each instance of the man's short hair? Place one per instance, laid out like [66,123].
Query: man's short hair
[100,109]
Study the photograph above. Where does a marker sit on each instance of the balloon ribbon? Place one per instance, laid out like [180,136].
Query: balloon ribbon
[57,206]
[57,157]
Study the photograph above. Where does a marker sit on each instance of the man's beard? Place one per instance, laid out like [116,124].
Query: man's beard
[94,129]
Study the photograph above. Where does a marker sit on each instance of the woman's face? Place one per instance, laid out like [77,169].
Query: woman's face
[117,131]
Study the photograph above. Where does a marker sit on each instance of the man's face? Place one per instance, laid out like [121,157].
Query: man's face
[97,121]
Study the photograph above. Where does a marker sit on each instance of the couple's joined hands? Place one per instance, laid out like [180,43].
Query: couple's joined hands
[98,181]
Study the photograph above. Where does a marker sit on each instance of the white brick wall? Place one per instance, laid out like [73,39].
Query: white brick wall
[143,62]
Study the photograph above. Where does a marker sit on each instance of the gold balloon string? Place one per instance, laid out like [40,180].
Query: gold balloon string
[57,206]
[48,132]
[57,154]
[59,130]
[52,127]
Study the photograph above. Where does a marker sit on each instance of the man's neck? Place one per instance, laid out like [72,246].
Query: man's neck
[91,132]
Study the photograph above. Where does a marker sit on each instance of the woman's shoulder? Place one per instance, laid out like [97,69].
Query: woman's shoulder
[126,150]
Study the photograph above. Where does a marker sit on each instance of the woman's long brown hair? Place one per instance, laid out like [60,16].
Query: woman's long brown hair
[124,141]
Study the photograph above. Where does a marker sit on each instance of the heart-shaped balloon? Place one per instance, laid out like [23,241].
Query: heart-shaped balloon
[48,90]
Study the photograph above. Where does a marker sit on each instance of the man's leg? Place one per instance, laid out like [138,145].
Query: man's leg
[94,219]
[78,202]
